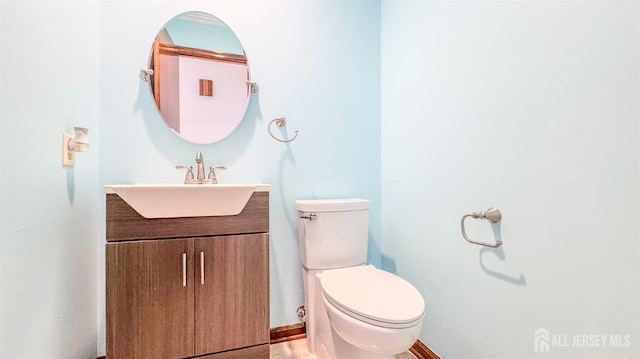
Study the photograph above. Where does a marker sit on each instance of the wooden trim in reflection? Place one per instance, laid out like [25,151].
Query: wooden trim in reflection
[176,50]
[156,72]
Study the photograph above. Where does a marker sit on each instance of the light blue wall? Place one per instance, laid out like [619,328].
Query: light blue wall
[317,64]
[531,107]
[49,82]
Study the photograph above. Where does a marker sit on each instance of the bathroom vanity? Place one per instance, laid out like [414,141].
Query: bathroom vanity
[187,286]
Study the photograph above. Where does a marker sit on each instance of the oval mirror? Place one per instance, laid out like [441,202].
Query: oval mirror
[199,78]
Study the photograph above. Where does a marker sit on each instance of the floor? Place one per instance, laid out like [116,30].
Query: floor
[297,349]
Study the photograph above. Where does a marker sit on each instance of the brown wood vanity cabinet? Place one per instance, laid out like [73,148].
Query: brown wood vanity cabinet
[187,287]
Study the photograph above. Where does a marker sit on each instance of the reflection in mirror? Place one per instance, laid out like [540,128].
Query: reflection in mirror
[200,75]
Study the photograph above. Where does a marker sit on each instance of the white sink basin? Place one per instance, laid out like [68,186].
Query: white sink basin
[186,200]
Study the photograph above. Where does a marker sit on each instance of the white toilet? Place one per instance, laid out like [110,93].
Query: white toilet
[353,310]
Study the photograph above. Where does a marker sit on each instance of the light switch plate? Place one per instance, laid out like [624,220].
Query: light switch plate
[68,157]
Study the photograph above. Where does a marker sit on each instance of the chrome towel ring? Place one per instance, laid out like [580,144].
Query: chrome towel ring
[493,215]
[281,122]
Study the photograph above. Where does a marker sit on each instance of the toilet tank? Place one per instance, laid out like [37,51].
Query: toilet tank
[333,233]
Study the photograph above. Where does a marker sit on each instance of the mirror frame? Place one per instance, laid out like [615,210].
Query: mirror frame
[209,101]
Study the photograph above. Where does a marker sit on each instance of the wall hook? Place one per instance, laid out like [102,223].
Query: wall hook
[493,215]
[281,122]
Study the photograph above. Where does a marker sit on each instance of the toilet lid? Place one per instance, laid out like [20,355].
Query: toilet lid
[373,293]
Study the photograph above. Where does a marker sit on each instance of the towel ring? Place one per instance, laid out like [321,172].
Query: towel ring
[281,122]
[493,215]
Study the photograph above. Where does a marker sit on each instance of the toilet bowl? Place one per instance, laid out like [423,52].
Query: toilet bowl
[372,310]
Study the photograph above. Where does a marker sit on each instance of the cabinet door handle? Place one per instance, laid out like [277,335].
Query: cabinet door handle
[184,269]
[202,267]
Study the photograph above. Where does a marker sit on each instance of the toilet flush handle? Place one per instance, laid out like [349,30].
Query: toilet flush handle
[311,217]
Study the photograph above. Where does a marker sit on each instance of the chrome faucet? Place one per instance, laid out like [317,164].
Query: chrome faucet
[200,163]
[199,178]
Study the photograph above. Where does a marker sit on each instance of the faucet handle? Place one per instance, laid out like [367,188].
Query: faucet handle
[189,178]
[212,173]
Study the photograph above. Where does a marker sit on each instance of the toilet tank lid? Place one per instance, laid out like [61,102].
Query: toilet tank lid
[332,205]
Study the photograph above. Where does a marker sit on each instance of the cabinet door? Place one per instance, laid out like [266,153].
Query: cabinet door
[232,292]
[150,299]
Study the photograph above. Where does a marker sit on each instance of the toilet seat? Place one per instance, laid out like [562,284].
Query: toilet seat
[374,296]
